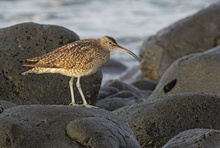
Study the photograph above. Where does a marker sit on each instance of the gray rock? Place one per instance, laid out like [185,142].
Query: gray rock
[28,40]
[131,75]
[121,99]
[63,126]
[135,77]
[155,122]
[145,84]
[113,67]
[112,104]
[125,95]
[193,34]
[5,104]
[122,86]
[208,138]
[193,73]
[107,91]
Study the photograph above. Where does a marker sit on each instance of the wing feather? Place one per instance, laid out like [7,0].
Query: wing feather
[68,56]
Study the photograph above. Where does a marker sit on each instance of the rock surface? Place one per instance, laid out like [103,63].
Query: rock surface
[131,75]
[113,67]
[135,77]
[145,84]
[155,122]
[121,99]
[5,104]
[116,94]
[193,34]
[28,40]
[193,73]
[107,91]
[121,86]
[63,126]
[208,138]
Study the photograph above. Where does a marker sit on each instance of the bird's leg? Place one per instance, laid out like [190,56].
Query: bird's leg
[82,95]
[81,92]
[71,91]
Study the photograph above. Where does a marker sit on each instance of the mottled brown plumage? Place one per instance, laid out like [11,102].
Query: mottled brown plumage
[77,59]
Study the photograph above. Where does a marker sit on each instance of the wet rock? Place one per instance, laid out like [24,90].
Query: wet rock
[155,122]
[193,73]
[193,34]
[63,126]
[28,40]
[195,138]
[5,104]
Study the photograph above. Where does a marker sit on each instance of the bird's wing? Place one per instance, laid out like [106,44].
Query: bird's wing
[67,56]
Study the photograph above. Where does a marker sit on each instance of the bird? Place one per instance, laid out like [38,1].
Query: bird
[77,59]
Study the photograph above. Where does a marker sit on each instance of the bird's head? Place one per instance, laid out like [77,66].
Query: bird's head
[109,43]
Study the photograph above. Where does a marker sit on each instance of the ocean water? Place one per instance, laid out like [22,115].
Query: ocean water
[128,21]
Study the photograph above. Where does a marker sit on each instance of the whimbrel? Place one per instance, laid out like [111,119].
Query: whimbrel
[76,59]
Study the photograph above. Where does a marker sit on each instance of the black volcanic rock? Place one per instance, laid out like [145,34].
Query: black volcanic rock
[47,126]
[27,40]
[116,94]
[157,121]
[209,138]
[5,104]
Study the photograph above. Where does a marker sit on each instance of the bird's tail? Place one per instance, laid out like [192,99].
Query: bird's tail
[29,63]
[26,72]
[36,70]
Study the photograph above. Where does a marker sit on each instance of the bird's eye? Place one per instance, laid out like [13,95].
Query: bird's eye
[110,43]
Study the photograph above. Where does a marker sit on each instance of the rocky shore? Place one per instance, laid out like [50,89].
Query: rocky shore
[171,99]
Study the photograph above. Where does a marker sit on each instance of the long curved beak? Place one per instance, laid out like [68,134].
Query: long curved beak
[128,51]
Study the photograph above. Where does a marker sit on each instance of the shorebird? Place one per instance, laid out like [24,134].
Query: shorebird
[76,59]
